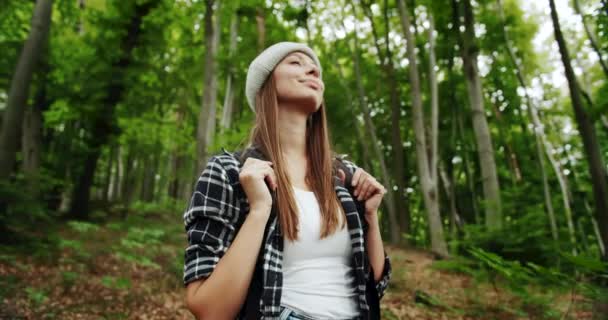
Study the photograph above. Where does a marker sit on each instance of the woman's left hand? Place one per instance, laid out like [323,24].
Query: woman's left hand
[368,189]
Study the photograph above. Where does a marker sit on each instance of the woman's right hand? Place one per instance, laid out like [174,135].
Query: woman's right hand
[252,178]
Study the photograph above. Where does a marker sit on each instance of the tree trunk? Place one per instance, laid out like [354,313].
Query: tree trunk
[455,221]
[260,20]
[177,158]
[396,141]
[395,231]
[354,123]
[80,27]
[20,84]
[538,135]
[206,119]
[114,179]
[108,176]
[427,168]
[32,135]
[104,120]
[149,177]
[229,99]
[585,127]
[487,163]
[592,39]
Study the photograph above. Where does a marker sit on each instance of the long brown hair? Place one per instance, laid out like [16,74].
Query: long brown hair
[265,136]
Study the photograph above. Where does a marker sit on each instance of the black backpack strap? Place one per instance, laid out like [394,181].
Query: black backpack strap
[251,306]
[339,164]
[371,293]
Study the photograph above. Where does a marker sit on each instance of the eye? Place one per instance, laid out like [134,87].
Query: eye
[298,62]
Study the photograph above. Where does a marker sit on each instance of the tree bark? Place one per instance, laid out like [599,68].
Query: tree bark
[386,62]
[32,135]
[587,130]
[205,130]
[114,187]
[591,38]
[20,84]
[487,163]
[395,230]
[260,19]
[427,168]
[103,123]
[108,176]
[538,135]
[227,111]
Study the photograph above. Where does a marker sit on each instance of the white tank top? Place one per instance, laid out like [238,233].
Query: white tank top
[318,279]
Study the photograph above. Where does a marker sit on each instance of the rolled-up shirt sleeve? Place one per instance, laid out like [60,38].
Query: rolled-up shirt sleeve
[385,278]
[381,285]
[209,221]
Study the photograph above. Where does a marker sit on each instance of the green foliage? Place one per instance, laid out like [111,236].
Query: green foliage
[69,278]
[526,239]
[83,227]
[140,245]
[36,296]
[117,283]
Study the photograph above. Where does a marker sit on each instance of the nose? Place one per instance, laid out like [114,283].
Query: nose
[313,69]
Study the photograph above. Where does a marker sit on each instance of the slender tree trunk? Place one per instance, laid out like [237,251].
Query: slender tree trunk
[80,27]
[511,155]
[108,176]
[103,121]
[229,99]
[596,229]
[114,190]
[260,19]
[206,119]
[32,135]
[395,232]
[597,171]
[127,184]
[538,135]
[20,84]
[455,221]
[349,102]
[487,163]
[396,141]
[427,169]
[592,39]
[177,157]
[150,168]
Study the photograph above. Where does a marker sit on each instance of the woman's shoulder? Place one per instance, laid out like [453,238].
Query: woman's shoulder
[227,162]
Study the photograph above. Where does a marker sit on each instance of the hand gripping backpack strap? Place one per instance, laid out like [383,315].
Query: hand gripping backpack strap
[371,294]
[251,306]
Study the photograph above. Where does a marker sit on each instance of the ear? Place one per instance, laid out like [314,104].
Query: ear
[341,175]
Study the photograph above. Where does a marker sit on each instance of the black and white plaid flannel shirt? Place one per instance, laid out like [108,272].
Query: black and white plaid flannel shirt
[217,210]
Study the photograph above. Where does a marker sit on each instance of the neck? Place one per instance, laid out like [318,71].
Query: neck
[292,132]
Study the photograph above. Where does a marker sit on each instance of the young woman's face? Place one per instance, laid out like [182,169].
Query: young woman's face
[298,82]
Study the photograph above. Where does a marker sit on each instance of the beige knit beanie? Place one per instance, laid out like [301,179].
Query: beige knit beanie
[261,67]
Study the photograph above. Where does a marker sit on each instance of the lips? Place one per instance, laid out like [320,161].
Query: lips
[312,83]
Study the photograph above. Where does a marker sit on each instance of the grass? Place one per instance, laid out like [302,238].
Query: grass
[131,268]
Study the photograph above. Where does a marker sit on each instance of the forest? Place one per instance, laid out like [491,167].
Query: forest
[486,120]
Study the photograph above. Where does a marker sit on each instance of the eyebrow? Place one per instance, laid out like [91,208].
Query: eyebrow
[300,55]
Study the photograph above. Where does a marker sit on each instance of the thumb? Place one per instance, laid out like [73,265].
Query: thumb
[341,175]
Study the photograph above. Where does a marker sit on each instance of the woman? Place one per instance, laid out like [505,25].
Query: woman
[274,233]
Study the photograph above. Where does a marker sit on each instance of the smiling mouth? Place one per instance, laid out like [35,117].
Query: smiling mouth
[311,84]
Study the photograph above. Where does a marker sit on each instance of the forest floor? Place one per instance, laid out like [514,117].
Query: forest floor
[132,269]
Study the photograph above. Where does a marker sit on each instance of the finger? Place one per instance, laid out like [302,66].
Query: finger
[375,189]
[357,176]
[361,175]
[269,175]
[363,184]
[369,187]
